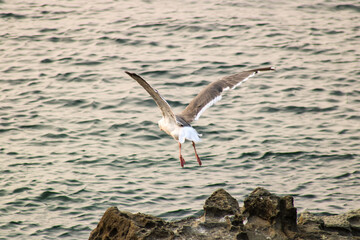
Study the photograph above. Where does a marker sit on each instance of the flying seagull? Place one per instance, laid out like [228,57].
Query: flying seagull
[178,125]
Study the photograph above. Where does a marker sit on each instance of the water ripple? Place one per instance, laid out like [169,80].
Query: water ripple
[77,135]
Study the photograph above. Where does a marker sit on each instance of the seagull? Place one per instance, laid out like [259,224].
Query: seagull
[178,125]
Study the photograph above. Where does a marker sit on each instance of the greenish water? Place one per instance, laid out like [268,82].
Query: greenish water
[77,135]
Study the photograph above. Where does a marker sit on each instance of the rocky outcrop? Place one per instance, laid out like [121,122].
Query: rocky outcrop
[124,225]
[263,216]
[344,226]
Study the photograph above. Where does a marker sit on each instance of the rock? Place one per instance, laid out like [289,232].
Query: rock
[277,215]
[309,223]
[220,204]
[264,216]
[123,225]
[345,223]
[344,226]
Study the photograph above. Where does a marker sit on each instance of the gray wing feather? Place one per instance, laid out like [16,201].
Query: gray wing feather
[160,101]
[212,93]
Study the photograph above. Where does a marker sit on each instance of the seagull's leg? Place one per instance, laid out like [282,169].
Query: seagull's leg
[197,156]
[182,160]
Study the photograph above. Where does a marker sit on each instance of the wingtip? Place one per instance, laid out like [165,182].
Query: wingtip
[131,74]
[263,69]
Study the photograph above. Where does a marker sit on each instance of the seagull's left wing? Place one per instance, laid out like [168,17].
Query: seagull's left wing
[160,101]
[212,93]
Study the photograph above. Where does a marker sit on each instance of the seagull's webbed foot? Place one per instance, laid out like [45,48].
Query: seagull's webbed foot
[182,160]
[197,156]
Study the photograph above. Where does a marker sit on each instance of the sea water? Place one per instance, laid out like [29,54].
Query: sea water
[77,135]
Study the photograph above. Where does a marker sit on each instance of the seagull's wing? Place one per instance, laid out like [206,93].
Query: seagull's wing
[160,101]
[212,93]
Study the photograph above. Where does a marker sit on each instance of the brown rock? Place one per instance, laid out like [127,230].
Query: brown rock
[337,227]
[220,204]
[271,212]
[122,225]
[264,216]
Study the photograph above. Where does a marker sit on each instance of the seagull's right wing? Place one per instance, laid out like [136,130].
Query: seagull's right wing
[160,101]
[212,93]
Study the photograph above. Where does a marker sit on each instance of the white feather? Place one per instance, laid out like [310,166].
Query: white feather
[188,133]
[245,79]
[179,133]
[212,102]
[218,98]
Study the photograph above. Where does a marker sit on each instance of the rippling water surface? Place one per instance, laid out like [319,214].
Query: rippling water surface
[77,135]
